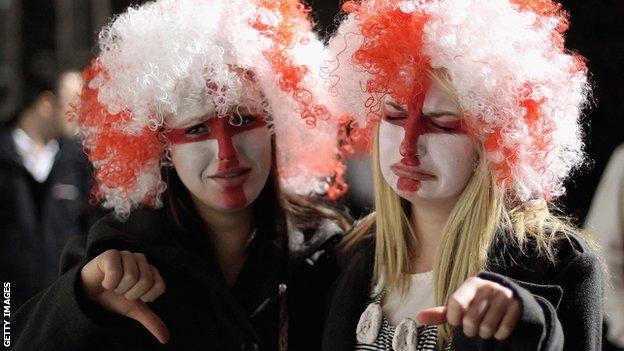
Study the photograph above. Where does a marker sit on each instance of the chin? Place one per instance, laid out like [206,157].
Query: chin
[231,206]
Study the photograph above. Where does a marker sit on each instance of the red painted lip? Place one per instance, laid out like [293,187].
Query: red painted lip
[404,171]
[231,177]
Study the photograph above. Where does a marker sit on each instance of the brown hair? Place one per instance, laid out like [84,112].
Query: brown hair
[270,210]
[178,203]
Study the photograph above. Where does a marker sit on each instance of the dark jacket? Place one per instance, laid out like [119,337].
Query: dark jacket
[562,300]
[36,219]
[199,310]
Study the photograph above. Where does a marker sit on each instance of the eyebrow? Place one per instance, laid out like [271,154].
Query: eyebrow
[436,114]
[440,114]
[396,106]
[192,122]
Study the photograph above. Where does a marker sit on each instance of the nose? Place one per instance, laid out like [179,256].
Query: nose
[409,145]
[413,129]
[224,135]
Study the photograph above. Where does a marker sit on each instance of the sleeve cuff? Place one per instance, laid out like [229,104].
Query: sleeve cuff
[537,327]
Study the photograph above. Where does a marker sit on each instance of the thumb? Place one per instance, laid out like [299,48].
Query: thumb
[144,315]
[432,316]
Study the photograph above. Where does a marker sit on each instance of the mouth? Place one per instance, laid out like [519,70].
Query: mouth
[231,177]
[410,172]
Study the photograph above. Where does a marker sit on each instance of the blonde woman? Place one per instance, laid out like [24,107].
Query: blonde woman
[473,108]
[188,116]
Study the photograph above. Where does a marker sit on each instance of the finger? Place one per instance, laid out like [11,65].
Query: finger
[157,289]
[460,300]
[144,315]
[479,305]
[110,265]
[499,303]
[432,316]
[145,282]
[130,272]
[508,323]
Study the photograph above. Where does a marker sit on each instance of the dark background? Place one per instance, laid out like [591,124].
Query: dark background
[41,37]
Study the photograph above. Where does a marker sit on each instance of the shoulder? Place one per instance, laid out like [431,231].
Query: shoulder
[144,226]
[305,241]
[577,256]
[570,253]
[313,225]
[139,220]
[618,154]
[359,241]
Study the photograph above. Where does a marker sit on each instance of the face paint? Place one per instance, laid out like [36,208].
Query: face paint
[224,163]
[423,148]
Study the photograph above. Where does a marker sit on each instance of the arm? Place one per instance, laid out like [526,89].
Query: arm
[581,309]
[606,222]
[58,318]
[61,317]
[537,327]
[495,312]
[547,322]
[91,301]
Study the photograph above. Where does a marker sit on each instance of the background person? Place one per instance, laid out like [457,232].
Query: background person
[44,186]
[606,221]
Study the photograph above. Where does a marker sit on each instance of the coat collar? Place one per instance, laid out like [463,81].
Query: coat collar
[350,298]
[8,152]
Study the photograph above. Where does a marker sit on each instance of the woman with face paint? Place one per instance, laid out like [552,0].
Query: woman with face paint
[473,110]
[195,115]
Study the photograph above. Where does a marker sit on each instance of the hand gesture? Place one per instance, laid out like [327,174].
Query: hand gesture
[480,307]
[122,282]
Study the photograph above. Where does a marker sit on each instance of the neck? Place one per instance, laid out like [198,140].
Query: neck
[428,219]
[230,233]
[33,128]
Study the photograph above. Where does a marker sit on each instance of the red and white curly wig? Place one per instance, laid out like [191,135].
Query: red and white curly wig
[521,91]
[170,60]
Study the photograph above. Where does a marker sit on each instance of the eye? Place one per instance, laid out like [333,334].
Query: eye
[248,119]
[198,129]
[397,118]
[446,126]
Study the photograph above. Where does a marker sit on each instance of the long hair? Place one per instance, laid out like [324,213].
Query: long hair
[269,212]
[272,209]
[482,210]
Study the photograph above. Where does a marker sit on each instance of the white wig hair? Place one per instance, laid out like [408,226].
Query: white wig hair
[521,91]
[170,60]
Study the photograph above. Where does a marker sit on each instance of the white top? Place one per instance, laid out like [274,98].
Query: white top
[389,320]
[37,160]
[605,220]
[420,296]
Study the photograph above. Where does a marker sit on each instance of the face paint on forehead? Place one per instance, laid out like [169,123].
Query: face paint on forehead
[424,115]
[219,128]
[224,165]
[429,118]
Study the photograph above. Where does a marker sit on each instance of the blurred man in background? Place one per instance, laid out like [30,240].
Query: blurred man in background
[44,186]
[68,89]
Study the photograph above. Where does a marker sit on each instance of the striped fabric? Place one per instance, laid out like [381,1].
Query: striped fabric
[427,338]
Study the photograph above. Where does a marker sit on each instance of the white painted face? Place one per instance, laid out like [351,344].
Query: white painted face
[424,151]
[223,162]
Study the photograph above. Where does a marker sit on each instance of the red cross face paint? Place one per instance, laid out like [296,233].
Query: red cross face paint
[224,162]
[424,151]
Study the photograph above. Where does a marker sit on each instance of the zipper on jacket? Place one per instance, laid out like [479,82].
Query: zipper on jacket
[283,317]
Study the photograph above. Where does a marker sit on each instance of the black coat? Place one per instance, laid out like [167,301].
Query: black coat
[562,300]
[199,310]
[36,219]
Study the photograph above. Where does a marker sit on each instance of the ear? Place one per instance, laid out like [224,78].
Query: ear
[44,105]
